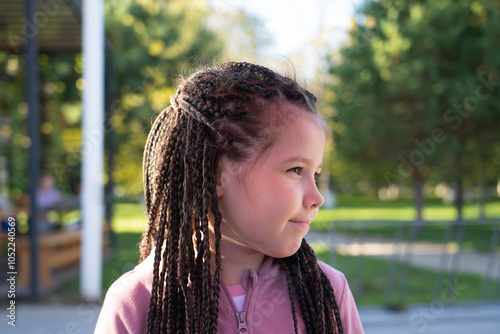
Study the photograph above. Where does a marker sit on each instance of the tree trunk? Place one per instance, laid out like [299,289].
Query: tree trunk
[459,195]
[418,192]
[482,191]
[459,198]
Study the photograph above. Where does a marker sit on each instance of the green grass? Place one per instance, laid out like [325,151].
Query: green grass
[477,237]
[368,279]
[352,210]
[130,220]
[129,217]
[128,223]
[124,258]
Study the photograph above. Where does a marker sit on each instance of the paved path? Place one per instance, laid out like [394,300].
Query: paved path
[420,254]
[423,319]
[433,318]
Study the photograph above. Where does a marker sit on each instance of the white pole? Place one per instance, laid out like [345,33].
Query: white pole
[92,205]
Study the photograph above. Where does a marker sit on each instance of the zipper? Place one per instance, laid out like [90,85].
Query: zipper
[241,316]
[242,321]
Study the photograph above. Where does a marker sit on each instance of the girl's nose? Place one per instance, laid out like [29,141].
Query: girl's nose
[313,198]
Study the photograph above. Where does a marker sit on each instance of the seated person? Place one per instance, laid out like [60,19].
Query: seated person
[47,196]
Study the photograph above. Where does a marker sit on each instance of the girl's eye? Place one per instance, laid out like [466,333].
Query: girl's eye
[296,170]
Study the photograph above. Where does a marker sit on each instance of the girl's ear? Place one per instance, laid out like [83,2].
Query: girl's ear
[219,190]
[226,172]
[221,176]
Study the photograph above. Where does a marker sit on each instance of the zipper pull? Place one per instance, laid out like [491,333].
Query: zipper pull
[242,322]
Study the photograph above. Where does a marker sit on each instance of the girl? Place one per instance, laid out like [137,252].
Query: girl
[229,180]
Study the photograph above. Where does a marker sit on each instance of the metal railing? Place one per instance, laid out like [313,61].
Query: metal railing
[402,244]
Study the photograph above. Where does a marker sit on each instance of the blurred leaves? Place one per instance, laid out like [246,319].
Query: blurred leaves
[151,43]
[411,68]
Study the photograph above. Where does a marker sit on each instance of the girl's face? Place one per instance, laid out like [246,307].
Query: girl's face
[268,204]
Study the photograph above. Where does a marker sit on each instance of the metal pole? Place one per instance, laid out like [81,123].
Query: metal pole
[358,280]
[34,133]
[456,257]
[92,148]
[392,279]
[488,277]
[443,260]
[412,235]
[333,255]
[109,141]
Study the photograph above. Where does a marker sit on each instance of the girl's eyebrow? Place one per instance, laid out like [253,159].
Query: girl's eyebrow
[301,159]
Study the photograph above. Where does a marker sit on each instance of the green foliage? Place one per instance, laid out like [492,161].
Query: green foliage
[13,111]
[152,41]
[417,89]
[149,44]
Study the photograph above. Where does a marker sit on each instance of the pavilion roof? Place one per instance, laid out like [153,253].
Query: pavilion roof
[58,22]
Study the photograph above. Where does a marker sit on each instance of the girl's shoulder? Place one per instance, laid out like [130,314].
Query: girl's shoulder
[127,300]
[345,300]
[336,277]
[134,282]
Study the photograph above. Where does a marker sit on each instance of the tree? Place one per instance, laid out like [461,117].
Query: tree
[152,42]
[13,141]
[163,39]
[406,66]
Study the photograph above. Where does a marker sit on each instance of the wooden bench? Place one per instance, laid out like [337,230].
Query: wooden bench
[57,249]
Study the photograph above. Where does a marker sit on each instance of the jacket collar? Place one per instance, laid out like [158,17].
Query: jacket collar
[270,269]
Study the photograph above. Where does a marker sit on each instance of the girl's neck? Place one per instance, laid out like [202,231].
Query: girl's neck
[236,261]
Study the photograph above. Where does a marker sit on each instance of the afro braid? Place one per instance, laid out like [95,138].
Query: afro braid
[222,111]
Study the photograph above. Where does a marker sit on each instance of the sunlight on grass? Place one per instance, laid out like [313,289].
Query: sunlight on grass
[129,217]
[368,277]
[130,220]
[400,212]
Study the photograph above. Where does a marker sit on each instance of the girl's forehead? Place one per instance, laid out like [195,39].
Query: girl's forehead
[301,138]
[294,133]
[303,132]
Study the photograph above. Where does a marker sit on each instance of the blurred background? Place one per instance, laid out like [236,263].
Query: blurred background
[411,90]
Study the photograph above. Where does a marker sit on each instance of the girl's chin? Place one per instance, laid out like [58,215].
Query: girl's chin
[287,253]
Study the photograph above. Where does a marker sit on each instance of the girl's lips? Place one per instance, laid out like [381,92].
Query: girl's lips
[303,224]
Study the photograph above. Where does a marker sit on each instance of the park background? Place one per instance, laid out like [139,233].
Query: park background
[410,89]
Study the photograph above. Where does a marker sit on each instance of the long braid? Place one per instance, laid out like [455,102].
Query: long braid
[206,279]
[170,256]
[303,292]
[157,130]
[218,262]
[186,250]
[196,270]
[197,206]
[315,288]
[331,300]
[325,309]
[290,294]
[216,112]
[161,204]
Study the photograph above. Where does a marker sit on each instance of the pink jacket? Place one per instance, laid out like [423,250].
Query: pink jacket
[267,306]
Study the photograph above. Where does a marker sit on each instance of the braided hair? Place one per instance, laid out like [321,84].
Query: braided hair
[222,111]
